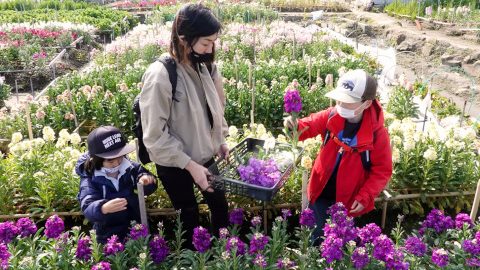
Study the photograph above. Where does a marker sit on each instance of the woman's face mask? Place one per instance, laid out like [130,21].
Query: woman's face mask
[350,113]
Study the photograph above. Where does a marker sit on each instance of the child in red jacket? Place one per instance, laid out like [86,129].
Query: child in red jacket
[355,161]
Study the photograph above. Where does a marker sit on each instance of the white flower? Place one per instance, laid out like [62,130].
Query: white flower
[39,175]
[396,140]
[408,145]
[16,137]
[395,126]
[281,138]
[75,138]
[48,134]
[61,142]
[38,142]
[64,135]
[75,154]
[269,144]
[143,256]
[261,130]
[430,154]
[232,131]
[306,162]
[395,155]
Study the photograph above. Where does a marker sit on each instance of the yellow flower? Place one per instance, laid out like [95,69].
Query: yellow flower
[75,138]
[48,134]
[16,137]
[306,162]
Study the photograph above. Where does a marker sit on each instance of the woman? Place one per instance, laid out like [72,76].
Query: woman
[182,132]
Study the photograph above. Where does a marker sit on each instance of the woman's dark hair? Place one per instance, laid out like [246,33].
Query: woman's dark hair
[93,163]
[192,21]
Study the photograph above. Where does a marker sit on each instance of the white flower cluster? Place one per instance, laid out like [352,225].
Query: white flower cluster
[49,25]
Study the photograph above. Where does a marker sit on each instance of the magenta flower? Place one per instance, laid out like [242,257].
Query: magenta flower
[234,243]
[471,246]
[292,101]
[437,221]
[473,262]
[332,249]
[113,246]
[360,258]
[201,239]
[382,247]
[307,218]
[260,261]
[256,221]
[84,251]
[286,213]
[54,227]
[415,246]
[440,257]
[223,233]
[8,231]
[462,219]
[236,216]
[101,266]
[138,231]
[4,256]
[368,233]
[258,172]
[285,263]
[394,261]
[257,243]
[158,249]
[26,227]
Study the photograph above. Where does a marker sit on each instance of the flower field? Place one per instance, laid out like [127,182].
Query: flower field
[271,69]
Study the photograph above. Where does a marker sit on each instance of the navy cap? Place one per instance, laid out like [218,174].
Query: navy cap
[108,142]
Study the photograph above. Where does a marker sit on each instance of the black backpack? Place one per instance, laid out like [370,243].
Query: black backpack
[171,67]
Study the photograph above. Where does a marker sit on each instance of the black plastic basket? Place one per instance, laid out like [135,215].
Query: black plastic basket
[225,176]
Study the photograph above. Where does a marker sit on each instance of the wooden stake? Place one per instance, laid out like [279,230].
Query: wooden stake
[29,122]
[141,202]
[304,189]
[72,106]
[476,200]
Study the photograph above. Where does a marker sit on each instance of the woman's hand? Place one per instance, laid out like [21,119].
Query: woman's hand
[199,175]
[356,207]
[289,123]
[114,205]
[224,152]
[147,180]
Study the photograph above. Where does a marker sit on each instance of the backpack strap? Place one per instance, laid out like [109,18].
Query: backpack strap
[171,67]
[365,155]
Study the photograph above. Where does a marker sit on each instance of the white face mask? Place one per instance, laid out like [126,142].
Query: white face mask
[111,170]
[348,113]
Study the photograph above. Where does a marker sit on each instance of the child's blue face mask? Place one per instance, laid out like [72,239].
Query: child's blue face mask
[111,170]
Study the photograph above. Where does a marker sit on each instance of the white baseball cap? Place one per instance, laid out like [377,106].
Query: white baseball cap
[354,86]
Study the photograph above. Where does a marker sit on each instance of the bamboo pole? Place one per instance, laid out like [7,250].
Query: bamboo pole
[29,122]
[304,189]
[476,200]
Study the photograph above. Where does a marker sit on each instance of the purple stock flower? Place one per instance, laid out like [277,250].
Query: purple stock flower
[368,233]
[8,231]
[473,262]
[336,208]
[138,231]
[462,219]
[54,227]
[236,216]
[440,257]
[341,226]
[158,249]
[258,243]
[292,101]
[438,221]
[286,213]
[223,232]
[61,242]
[382,246]
[307,218]
[360,258]
[4,256]
[415,246]
[113,246]
[285,263]
[258,172]
[260,261]
[256,221]
[84,251]
[332,249]
[26,227]
[394,261]
[234,243]
[101,266]
[471,246]
[201,239]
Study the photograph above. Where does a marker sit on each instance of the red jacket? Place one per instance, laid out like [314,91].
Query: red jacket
[353,181]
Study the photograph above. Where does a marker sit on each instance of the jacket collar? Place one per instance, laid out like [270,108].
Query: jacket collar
[371,121]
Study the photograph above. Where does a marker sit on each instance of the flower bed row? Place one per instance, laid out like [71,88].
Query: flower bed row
[440,242]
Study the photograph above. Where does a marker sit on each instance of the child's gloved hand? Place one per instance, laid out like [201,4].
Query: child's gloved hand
[147,180]
[114,205]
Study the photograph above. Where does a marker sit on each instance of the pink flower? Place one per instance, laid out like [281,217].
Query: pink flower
[40,114]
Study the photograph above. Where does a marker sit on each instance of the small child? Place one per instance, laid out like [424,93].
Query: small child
[107,193]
